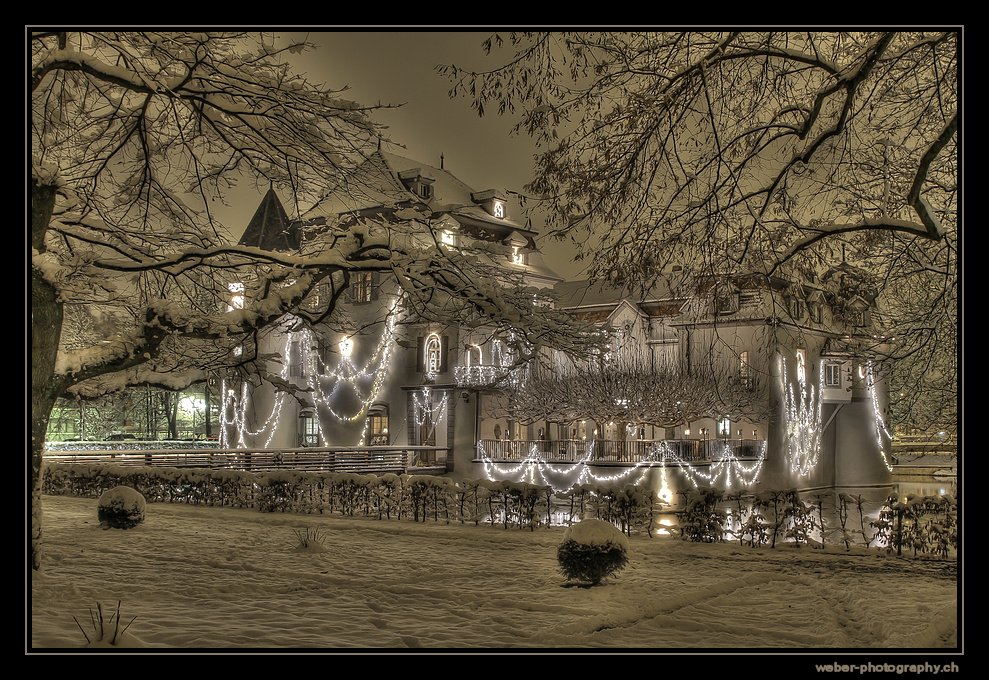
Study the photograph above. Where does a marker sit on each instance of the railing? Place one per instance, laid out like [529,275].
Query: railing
[361,459]
[633,451]
[132,445]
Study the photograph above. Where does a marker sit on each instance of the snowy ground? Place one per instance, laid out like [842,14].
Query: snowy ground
[224,578]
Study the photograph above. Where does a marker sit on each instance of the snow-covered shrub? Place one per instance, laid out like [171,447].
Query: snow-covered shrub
[798,518]
[889,525]
[702,520]
[121,508]
[628,506]
[591,550]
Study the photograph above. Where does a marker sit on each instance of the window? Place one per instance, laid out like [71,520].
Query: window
[361,285]
[378,426]
[433,355]
[796,309]
[724,427]
[425,190]
[472,355]
[308,428]
[448,238]
[499,210]
[801,366]
[236,296]
[744,370]
[319,297]
[518,255]
[832,375]
[726,303]
[295,362]
[816,310]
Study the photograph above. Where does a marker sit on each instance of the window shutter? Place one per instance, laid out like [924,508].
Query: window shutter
[375,282]
[444,351]
[420,354]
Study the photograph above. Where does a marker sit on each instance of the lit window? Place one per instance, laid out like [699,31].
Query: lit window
[448,238]
[378,426]
[499,209]
[308,428]
[832,375]
[433,358]
[473,355]
[236,296]
[361,286]
[725,427]
[518,255]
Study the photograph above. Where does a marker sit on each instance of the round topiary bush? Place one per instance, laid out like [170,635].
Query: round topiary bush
[121,508]
[591,550]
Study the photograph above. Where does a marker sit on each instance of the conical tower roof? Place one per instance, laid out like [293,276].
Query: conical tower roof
[270,227]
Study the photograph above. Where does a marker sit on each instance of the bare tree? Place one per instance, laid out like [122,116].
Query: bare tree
[134,135]
[767,152]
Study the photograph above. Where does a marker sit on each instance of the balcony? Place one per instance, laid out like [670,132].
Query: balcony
[482,376]
[611,451]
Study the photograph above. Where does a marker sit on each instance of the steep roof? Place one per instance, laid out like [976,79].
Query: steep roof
[270,227]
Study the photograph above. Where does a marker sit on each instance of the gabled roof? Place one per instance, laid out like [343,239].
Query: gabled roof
[270,227]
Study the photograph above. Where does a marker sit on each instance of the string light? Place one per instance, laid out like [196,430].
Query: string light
[880,424]
[803,418]
[535,465]
[423,411]
[727,464]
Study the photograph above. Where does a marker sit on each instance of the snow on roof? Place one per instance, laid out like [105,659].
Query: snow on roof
[270,227]
[584,294]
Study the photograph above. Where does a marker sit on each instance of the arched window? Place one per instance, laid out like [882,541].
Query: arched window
[472,356]
[433,358]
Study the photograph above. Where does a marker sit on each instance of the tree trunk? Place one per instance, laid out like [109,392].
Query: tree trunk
[46,329]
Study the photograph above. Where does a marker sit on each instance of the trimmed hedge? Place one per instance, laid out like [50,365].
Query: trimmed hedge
[415,497]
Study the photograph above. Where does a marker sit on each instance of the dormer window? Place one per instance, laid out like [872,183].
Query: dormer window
[425,190]
[726,302]
[448,237]
[236,291]
[493,202]
[518,255]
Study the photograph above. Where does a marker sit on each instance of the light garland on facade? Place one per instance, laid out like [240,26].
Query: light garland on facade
[803,419]
[536,465]
[346,374]
[423,411]
[239,407]
[726,465]
[880,424]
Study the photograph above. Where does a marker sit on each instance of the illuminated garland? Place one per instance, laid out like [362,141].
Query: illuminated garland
[803,419]
[240,409]
[725,465]
[423,410]
[536,466]
[880,424]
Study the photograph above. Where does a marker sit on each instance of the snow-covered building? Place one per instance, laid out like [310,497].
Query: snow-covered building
[378,375]
[775,384]
[742,382]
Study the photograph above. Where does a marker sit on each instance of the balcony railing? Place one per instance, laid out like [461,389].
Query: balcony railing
[612,451]
[363,459]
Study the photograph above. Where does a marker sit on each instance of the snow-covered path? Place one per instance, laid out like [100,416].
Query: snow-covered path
[225,578]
